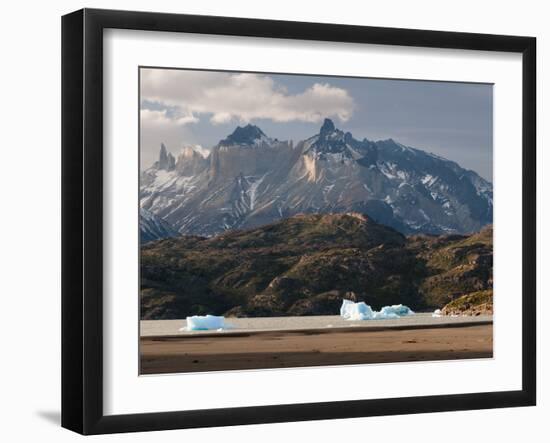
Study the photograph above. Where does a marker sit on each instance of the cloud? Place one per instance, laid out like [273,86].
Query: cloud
[179,96]
[154,117]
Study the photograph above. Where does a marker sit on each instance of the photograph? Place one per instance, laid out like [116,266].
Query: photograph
[295,220]
[247,222]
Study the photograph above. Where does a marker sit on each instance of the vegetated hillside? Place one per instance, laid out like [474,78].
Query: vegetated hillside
[475,303]
[305,265]
[458,265]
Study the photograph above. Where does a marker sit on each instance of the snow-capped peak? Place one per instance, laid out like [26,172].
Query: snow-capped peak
[249,179]
[248,135]
[332,141]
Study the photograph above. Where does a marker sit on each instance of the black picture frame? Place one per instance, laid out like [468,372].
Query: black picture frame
[82,218]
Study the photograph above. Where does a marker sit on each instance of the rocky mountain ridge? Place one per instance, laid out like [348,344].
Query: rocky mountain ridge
[249,180]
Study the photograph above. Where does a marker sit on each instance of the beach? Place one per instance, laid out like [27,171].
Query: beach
[287,342]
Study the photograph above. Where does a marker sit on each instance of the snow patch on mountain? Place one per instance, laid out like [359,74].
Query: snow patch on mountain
[249,179]
[152,227]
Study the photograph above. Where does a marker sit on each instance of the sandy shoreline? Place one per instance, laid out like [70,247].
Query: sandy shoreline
[315,347]
[162,328]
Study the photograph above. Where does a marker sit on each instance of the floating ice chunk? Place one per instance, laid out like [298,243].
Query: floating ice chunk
[356,311]
[204,323]
[361,311]
[437,313]
[399,310]
[379,315]
[346,304]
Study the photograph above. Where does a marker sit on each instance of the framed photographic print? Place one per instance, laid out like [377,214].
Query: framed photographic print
[269,221]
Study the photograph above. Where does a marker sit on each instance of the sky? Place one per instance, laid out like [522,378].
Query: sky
[189,107]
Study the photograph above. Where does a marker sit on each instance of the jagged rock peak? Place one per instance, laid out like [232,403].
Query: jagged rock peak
[329,139]
[189,152]
[244,135]
[192,151]
[328,127]
[332,140]
[190,162]
[166,160]
[246,186]
[163,156]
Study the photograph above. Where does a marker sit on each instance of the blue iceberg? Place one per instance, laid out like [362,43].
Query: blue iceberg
[204,323]
[361,311]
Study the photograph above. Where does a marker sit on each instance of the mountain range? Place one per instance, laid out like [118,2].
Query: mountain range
[249,179]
